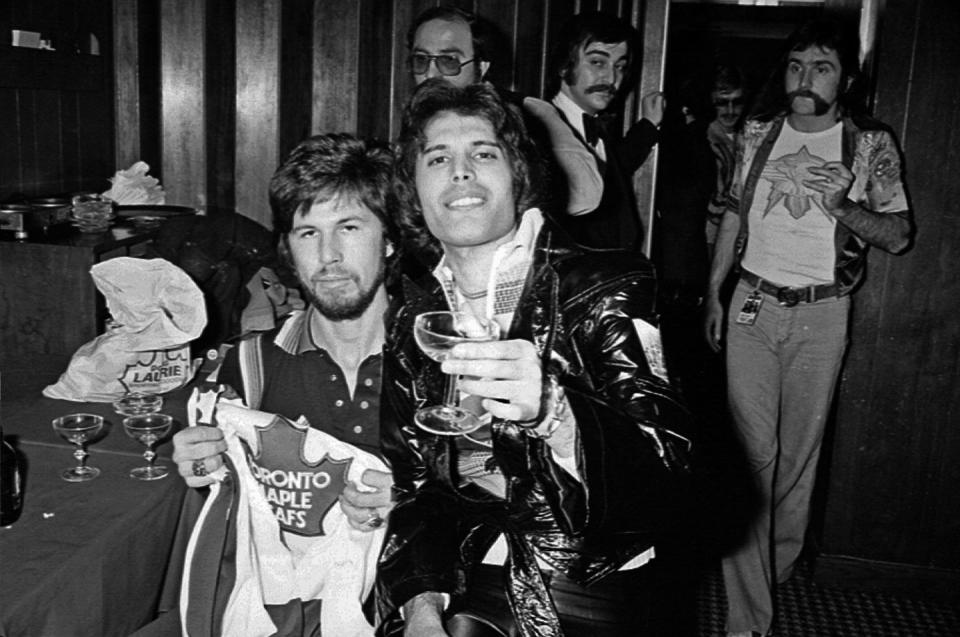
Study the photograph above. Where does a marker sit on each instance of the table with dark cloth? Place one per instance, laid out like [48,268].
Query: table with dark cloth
[88,558]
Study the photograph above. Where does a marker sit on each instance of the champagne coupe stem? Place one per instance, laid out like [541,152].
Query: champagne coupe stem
[81,455]
[450,391]
[149,454]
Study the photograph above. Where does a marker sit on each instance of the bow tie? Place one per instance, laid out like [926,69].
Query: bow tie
[594,128]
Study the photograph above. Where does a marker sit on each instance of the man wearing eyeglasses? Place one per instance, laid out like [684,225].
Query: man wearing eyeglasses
[728,102]
[448,43]
[452,44]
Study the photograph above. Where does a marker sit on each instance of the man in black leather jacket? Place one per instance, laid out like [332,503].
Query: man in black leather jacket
[579,467]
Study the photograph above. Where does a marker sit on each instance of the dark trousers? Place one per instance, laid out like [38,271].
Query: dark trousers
[616,606]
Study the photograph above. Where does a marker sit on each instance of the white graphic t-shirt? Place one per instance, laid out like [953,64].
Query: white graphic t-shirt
[791,235]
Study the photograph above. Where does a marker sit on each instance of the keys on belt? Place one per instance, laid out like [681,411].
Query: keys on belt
[787,296]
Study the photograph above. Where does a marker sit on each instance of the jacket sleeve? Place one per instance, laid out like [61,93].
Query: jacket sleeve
[636,145]
[398,440]
[877,209]
[229,372]
[634,433]
[420,551]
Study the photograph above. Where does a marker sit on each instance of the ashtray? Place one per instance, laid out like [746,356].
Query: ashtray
[137,404]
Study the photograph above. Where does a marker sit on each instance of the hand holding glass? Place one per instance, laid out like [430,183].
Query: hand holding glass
[78,429]
[148,429]
[437,333]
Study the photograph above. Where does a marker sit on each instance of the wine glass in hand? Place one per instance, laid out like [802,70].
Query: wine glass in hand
[78,429]
[148,429]
[437,333]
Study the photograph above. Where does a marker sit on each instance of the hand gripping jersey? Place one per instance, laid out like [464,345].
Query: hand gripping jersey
[272,552]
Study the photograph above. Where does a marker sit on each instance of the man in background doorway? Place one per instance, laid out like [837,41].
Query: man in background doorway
[728,100]
[591,68]
[814,185]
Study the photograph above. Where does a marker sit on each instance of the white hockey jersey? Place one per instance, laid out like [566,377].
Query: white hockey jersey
[271,539]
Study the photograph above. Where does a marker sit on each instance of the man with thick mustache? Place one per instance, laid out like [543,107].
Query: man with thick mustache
[542,522]
[591,65]
[813,186]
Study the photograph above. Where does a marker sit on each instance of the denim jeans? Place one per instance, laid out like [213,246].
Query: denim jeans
[781,373]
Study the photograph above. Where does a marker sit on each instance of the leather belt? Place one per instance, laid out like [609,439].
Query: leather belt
[788,297]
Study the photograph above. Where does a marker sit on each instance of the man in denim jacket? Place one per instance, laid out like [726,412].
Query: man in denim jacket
[813,187]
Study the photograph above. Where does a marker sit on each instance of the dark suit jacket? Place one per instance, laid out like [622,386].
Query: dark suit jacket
[616,223]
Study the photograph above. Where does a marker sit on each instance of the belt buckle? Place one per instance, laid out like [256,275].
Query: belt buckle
[788,297]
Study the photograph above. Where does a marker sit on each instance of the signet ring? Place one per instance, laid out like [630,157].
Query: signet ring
[199,468]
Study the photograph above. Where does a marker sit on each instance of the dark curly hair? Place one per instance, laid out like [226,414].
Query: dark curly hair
[583,30]
[325,167]
[432,98]
[825,33]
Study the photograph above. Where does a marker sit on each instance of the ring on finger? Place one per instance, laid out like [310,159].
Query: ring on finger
[374,521]
[199,468]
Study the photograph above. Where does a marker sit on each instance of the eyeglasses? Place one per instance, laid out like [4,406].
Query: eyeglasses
[737,101]
[447,64]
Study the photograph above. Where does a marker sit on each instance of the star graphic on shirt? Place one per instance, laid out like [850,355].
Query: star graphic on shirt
[786,176]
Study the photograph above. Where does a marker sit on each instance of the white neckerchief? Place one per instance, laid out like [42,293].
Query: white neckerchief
[511,262]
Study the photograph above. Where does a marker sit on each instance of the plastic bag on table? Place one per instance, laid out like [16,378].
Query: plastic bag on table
[156,310]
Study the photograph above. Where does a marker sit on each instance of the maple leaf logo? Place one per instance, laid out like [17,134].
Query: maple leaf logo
[786,176]
[299,491]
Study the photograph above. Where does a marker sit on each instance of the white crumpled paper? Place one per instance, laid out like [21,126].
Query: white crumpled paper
[157,310]
[133,186]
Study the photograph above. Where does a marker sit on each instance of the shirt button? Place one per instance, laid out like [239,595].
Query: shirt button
[358,429]
[333,377]
[338,403]
[368,382]
[364,404]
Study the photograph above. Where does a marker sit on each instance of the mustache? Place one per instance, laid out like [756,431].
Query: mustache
[602,88]
[820,104]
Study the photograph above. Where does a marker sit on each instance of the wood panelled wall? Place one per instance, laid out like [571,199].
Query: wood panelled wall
[56,106]
[242,82]
[894,470]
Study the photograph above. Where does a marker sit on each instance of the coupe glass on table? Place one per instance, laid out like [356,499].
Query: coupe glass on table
[79,429]
[137,404]
[148,429]
[437,333]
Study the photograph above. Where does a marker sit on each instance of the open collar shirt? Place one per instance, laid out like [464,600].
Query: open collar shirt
[300,377]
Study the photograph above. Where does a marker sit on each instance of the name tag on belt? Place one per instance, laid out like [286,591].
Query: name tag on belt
[751,307]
